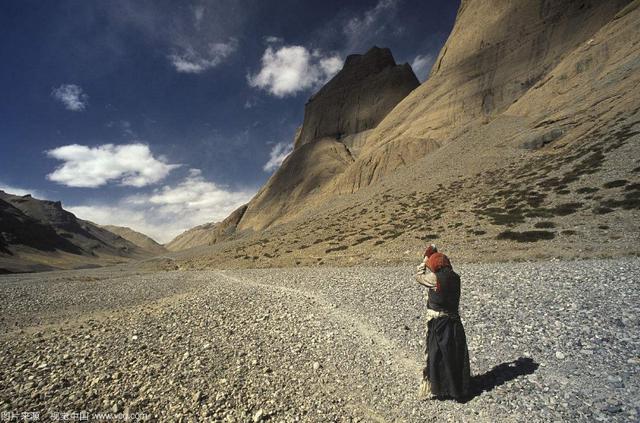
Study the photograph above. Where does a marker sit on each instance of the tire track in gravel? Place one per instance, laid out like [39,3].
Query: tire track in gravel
[368,332]
[401,373]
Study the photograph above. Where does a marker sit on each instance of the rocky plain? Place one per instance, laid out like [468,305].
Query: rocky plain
[549,341]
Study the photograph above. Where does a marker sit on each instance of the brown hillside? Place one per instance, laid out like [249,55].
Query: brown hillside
[137,238]
[523,143]
[41,235]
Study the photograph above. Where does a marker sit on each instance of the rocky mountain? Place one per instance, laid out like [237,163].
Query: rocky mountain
[358,97]
[139,239]
[41,235]
[525,59]
[336,120]
[523,142]
[18,228]
[207,234]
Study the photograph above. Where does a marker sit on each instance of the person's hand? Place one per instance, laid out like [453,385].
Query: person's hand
[421,268]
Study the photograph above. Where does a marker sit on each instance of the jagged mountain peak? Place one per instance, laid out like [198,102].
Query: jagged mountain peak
[358,97]
[375,57]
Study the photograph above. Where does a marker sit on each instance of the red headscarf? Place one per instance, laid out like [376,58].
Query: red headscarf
[437,261]
[430,250]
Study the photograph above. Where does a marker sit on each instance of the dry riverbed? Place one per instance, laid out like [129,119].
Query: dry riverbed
[550,341]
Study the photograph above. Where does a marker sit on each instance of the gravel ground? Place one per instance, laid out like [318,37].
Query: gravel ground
[548,341]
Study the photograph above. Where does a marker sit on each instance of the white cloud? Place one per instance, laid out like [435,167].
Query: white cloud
[291,69]
[272,39]
[21,191]
[71,96]
[198,14]
[169,210]
[188,59]
[90,167]
[421,66]
[278,153]
[124,126]
[330,65]
[360,31]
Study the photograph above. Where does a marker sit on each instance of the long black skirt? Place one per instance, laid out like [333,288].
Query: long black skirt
[447,370]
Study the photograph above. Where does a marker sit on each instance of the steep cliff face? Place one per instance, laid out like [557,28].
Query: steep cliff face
[358,97]
[497,53]
[302,175]
[336,121]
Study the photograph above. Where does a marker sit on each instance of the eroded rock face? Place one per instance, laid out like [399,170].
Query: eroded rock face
[334,130]
[336,121]
[358,97]
[303,174]
[500,55]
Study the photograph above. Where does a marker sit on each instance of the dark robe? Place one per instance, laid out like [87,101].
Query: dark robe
[447,368]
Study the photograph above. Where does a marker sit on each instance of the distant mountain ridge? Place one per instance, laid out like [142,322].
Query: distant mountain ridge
[141,240]
[40,235]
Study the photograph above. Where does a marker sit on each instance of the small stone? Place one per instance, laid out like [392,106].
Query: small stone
[613,409]
[258,416]
[316,366]
[197,397]
[134,338]
[559,355]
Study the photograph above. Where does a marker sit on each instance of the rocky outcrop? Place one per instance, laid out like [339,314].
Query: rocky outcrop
[358,97]
[207,234]
[336,121]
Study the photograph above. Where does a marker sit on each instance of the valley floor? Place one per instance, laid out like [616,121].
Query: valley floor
[553,340]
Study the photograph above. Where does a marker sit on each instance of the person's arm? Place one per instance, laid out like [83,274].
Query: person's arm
[427,279]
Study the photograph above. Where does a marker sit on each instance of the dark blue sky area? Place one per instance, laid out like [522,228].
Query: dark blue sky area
[200,83]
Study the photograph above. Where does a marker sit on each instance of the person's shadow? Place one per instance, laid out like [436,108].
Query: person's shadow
[499,375]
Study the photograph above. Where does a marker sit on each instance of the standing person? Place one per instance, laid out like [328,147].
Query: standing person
[446,373]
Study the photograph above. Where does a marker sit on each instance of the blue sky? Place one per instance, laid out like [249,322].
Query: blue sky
[161,115]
